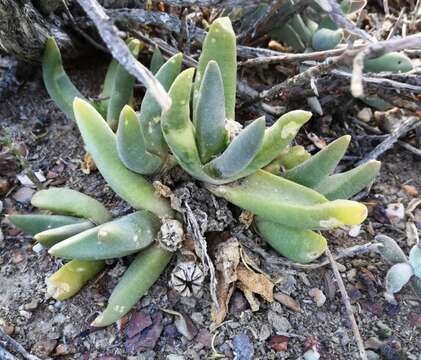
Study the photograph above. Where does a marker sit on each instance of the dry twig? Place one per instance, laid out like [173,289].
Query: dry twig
[407,125]
[376,50]
[342,253]
[347,303]
[122,54]
[12,344]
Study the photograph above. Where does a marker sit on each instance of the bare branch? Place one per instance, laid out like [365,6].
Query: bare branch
[122,54]
[347,303]
[407,125]
[376,50]
[12,344]
[342,21]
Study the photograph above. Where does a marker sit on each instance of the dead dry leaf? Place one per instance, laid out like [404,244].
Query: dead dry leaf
[287,301]
[224,292]
[251,299]
[88,164]
[227,258]
[410,190]
[246,217]
[257,283]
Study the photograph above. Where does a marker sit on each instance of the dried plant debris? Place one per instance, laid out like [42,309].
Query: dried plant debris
[233,272]
[187,279]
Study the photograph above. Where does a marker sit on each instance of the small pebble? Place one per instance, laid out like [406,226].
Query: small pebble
[365,114]
[43,348]
[243,348]
[395,212]
[278,322]
[32,305]
[24,195]
[371,355]
[318,296]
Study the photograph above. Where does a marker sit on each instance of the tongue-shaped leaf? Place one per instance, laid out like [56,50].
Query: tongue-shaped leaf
[288,203]
[239,153]
[313,171]
[71,202]
[302,246]
[117,238]
[347,184]
[131,145]
[209,119]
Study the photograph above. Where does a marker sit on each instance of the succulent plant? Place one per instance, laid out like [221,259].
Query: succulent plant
[117,89]
[404,270]
[298,197]
[302,33]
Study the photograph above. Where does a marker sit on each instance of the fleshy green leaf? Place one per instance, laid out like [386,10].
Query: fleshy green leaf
[122,89]
[302,246]
[131,145]
[390,250]
[295,156]
[150,110]
[289,36]
[71,277]
[352,6]
[51,237]
[349,183]
[326,39]
[100,142]
[277,138]
[397,276]
[59,86]
[301,29]
[34,223]
[136,281]
[393,62]
[239,153]
[117,238]
[415,260]
[285,202]
[316,169]
[70,202]
[157,61]
[220,46]
[177,128]
[209,119]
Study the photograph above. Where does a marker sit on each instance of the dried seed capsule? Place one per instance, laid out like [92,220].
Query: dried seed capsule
[187,278]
